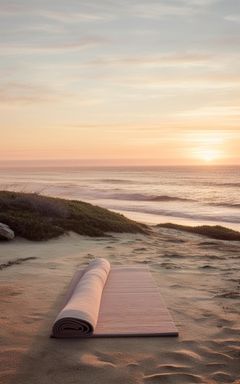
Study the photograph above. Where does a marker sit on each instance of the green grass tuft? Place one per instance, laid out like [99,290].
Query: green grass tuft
[213,231]
[37,217]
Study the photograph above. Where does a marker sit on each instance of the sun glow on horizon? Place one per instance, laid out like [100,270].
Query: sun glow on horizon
[209,147]
[209,155]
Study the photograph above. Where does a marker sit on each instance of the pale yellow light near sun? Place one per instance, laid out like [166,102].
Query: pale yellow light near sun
[209,155]
[208,147]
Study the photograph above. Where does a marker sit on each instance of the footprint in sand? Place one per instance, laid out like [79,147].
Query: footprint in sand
[208,243]
[184,355]
[215,356]
[173,378]
[206,266]
[169,368]
[222,377]
[175,241]
[89,256]
[170,266]
[143,261]
[93,361]
[229,295]
[137,250]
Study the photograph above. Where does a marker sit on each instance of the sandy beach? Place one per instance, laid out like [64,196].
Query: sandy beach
[198,278]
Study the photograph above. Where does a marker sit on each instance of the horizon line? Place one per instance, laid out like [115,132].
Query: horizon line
[96,163]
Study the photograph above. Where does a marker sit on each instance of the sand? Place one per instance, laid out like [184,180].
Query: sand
[199,279]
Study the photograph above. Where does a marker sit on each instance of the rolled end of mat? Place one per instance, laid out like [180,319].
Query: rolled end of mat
[79,316]
[70,327]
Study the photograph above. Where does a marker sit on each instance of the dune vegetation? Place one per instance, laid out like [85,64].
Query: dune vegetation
[213,231]
[37,217]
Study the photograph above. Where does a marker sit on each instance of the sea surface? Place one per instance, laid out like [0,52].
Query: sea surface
[187,195]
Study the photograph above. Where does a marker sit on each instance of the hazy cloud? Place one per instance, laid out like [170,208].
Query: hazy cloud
[76,17]
[17,93]
[191,58]
[50,47]
[234,18]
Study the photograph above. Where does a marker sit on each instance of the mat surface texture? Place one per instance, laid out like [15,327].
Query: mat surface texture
[105,301]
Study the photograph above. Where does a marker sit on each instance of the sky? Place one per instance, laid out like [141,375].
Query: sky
[120,81]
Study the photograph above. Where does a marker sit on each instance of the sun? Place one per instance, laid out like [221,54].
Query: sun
[209,155]
[206,147]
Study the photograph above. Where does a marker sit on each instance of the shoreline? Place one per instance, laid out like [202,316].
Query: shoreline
[39,217]
[152,219]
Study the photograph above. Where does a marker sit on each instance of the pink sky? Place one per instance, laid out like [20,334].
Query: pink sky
[120,82]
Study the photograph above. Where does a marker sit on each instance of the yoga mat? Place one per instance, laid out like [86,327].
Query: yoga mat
[104,301]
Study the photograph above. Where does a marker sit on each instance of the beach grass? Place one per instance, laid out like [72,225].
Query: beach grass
[213,231]
[37,217]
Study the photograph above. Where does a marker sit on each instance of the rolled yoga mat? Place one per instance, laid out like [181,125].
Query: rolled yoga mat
[118,301]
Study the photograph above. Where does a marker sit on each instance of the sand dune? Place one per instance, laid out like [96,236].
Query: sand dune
[198,279]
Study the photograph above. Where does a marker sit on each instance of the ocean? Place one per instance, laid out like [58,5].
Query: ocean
[184,195]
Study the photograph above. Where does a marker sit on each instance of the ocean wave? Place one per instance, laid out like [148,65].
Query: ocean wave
[236,185]
[169,198]
[227,205]
[176,182]
[117,181]
[232,184]
[180,214]
[144,197]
